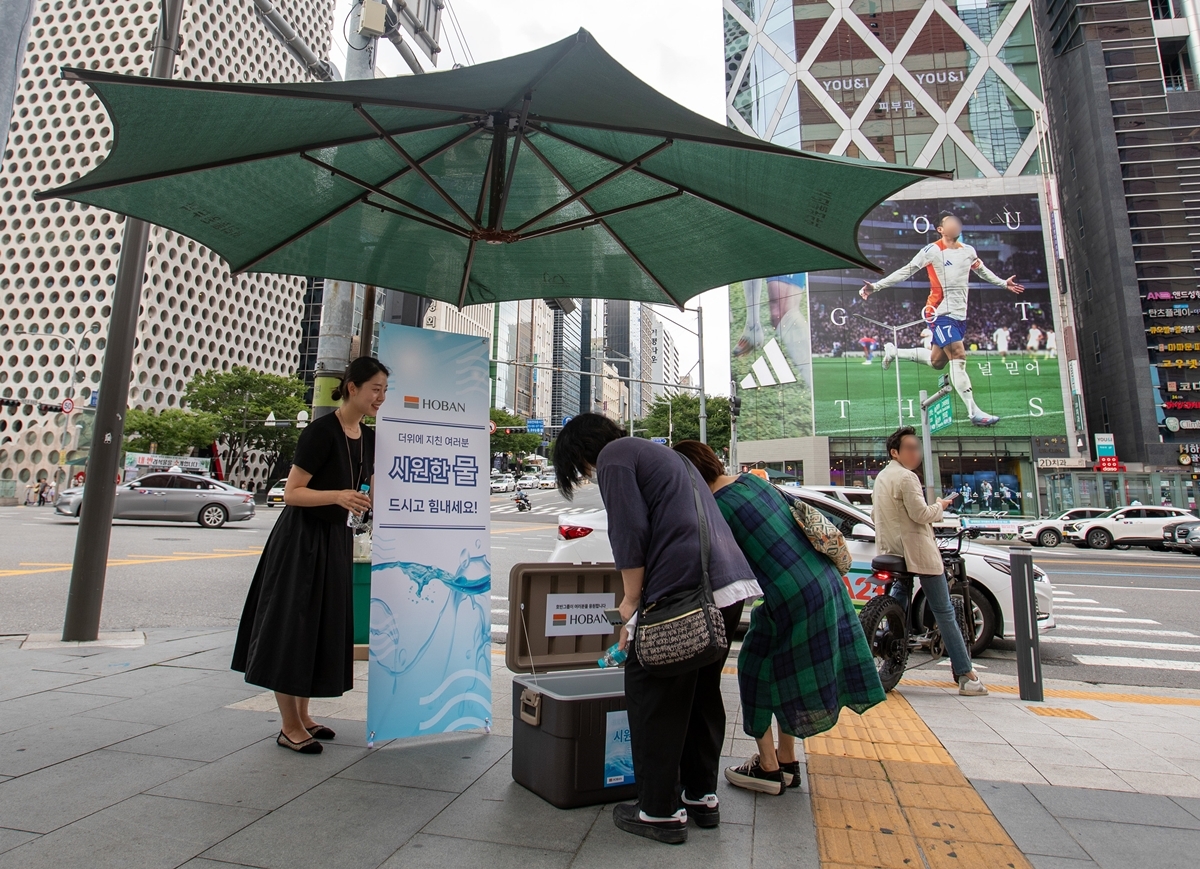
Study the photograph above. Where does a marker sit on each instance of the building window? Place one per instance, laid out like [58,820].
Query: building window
[1079,218]
[1104,413]
[1096,346]
[1071,160]
[1087,282]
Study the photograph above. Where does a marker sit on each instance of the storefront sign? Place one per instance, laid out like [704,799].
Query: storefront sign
[1060,462]
[430,665]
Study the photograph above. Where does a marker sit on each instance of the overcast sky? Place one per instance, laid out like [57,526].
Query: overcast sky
[673,45]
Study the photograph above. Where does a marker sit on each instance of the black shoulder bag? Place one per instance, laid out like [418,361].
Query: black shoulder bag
[683,631]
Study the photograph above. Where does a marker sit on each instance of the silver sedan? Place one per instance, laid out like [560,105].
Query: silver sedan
[172,497]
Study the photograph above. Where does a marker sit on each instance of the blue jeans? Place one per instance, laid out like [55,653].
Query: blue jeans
[937,598]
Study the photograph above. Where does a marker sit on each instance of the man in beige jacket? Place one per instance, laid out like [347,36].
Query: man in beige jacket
[904,526]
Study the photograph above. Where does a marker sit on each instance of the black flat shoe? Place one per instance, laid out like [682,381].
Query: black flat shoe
[627,817]
[308,746]
[320,731]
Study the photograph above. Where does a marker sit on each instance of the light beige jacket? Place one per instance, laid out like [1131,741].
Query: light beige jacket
[903,521]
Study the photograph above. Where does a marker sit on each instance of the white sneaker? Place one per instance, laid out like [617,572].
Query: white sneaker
[970,686]
[866,362]
[889,354]
[984,419]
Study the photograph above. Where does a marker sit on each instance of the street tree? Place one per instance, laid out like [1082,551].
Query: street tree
[242,399]
[172,432]
[683,410]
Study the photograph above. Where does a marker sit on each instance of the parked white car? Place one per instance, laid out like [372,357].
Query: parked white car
[1049,532]
[275,494]
[1124,526]
[529,481]
[503,483]
[583,537]
[855,496]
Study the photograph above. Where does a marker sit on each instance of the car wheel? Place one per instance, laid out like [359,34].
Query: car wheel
[985,620]
[1049,537]
[213,516]
[1098,538]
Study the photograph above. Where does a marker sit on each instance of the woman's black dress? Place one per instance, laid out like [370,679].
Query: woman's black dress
[297,630]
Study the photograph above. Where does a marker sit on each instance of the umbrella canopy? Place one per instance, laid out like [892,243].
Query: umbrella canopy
[556,173]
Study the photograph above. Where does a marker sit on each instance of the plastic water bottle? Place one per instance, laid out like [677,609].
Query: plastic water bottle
[614,657]
[358,523]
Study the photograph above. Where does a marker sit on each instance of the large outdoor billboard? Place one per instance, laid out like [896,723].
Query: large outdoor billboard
[839,385]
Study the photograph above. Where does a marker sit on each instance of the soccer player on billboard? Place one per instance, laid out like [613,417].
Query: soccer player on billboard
[949,263]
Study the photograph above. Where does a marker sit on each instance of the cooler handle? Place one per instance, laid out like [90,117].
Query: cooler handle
[531,707]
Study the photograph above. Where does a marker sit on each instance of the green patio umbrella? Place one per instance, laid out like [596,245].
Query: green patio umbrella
[555,173]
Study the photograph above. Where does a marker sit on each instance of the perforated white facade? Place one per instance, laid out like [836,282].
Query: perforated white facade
[58,259]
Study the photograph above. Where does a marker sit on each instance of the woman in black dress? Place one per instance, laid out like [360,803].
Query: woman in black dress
[297,629]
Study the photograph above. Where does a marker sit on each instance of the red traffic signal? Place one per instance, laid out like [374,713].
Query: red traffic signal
[508,431]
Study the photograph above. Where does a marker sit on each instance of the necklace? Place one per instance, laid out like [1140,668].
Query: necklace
[355,480]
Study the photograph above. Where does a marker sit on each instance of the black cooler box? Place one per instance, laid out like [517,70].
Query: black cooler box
[570,734]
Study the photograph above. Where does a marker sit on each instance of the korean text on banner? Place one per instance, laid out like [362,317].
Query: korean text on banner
[431,578]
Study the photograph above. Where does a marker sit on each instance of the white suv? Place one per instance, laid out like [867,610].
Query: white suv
[1049,532]
[1124,526]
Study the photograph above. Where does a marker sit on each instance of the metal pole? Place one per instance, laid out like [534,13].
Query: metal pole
[896,365]
[703,407]
[1029,657]
[337,301]
[298,47]
[86,593]
[366,332]
[733,459]
[927,449]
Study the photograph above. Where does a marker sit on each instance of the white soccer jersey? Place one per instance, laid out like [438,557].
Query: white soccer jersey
[1000,336]
[949,271]
[1035,337]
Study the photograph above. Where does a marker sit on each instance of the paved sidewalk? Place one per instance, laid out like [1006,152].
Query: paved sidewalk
[1092,778]
[159,756]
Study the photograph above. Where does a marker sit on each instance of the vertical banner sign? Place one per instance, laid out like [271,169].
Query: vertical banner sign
[430,669]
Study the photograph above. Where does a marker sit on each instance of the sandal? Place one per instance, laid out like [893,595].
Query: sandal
[308,746]
[320,731]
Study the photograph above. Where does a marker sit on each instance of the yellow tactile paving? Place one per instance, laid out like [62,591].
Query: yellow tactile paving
[1055,712]
[1065,694]
[887,794]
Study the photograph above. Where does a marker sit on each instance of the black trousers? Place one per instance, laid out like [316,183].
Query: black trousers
[676,727]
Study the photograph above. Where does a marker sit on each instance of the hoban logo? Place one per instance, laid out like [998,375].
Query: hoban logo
[439,404]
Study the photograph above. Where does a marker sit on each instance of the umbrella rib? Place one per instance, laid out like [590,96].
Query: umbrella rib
[365,185]
[599,182]
[470,261]
[548,68]
[416,166]
[275,248]
[597,216]
[512,164]
[451,228]
[733,209]
[252,158]
[620,243]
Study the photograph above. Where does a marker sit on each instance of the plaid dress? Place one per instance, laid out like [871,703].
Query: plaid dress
[805,655]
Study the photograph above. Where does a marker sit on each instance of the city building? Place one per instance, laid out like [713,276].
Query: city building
[523,347]
[567,360]
[1122,100]
[664,359]
[942,85]
[623,345]
[58,259]
[614,394]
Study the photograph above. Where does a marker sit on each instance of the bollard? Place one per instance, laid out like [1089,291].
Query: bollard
[1029,656]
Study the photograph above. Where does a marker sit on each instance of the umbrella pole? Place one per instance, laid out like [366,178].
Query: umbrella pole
[86,594]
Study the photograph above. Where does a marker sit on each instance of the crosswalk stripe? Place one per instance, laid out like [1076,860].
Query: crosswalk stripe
[1121,644]
[1137,631]
[1090,609]
[1078,618]
[1143,663]
[1075,600]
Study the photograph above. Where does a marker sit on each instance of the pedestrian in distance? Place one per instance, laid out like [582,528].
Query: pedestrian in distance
[296,636]
[904,527]
[805,655]
[657,532]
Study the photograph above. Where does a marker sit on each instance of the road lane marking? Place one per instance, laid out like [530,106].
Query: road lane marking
[1138,631]
[1090,609]
[1134,588]
[1128,621]
[1139,663]
[1121,644]
[131,560]
[1054,571]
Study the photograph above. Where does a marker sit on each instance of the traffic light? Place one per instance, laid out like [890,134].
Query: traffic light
[508,431]
[735,405]
[10,402]
[50,408]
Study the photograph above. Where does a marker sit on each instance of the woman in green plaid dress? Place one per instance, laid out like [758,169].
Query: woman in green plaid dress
[805,655]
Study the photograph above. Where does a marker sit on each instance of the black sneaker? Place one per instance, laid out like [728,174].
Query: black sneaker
[791,773]
[627,817]
[751,776]
[703,813]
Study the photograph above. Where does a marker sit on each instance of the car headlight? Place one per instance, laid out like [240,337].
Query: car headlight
[1039,575]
